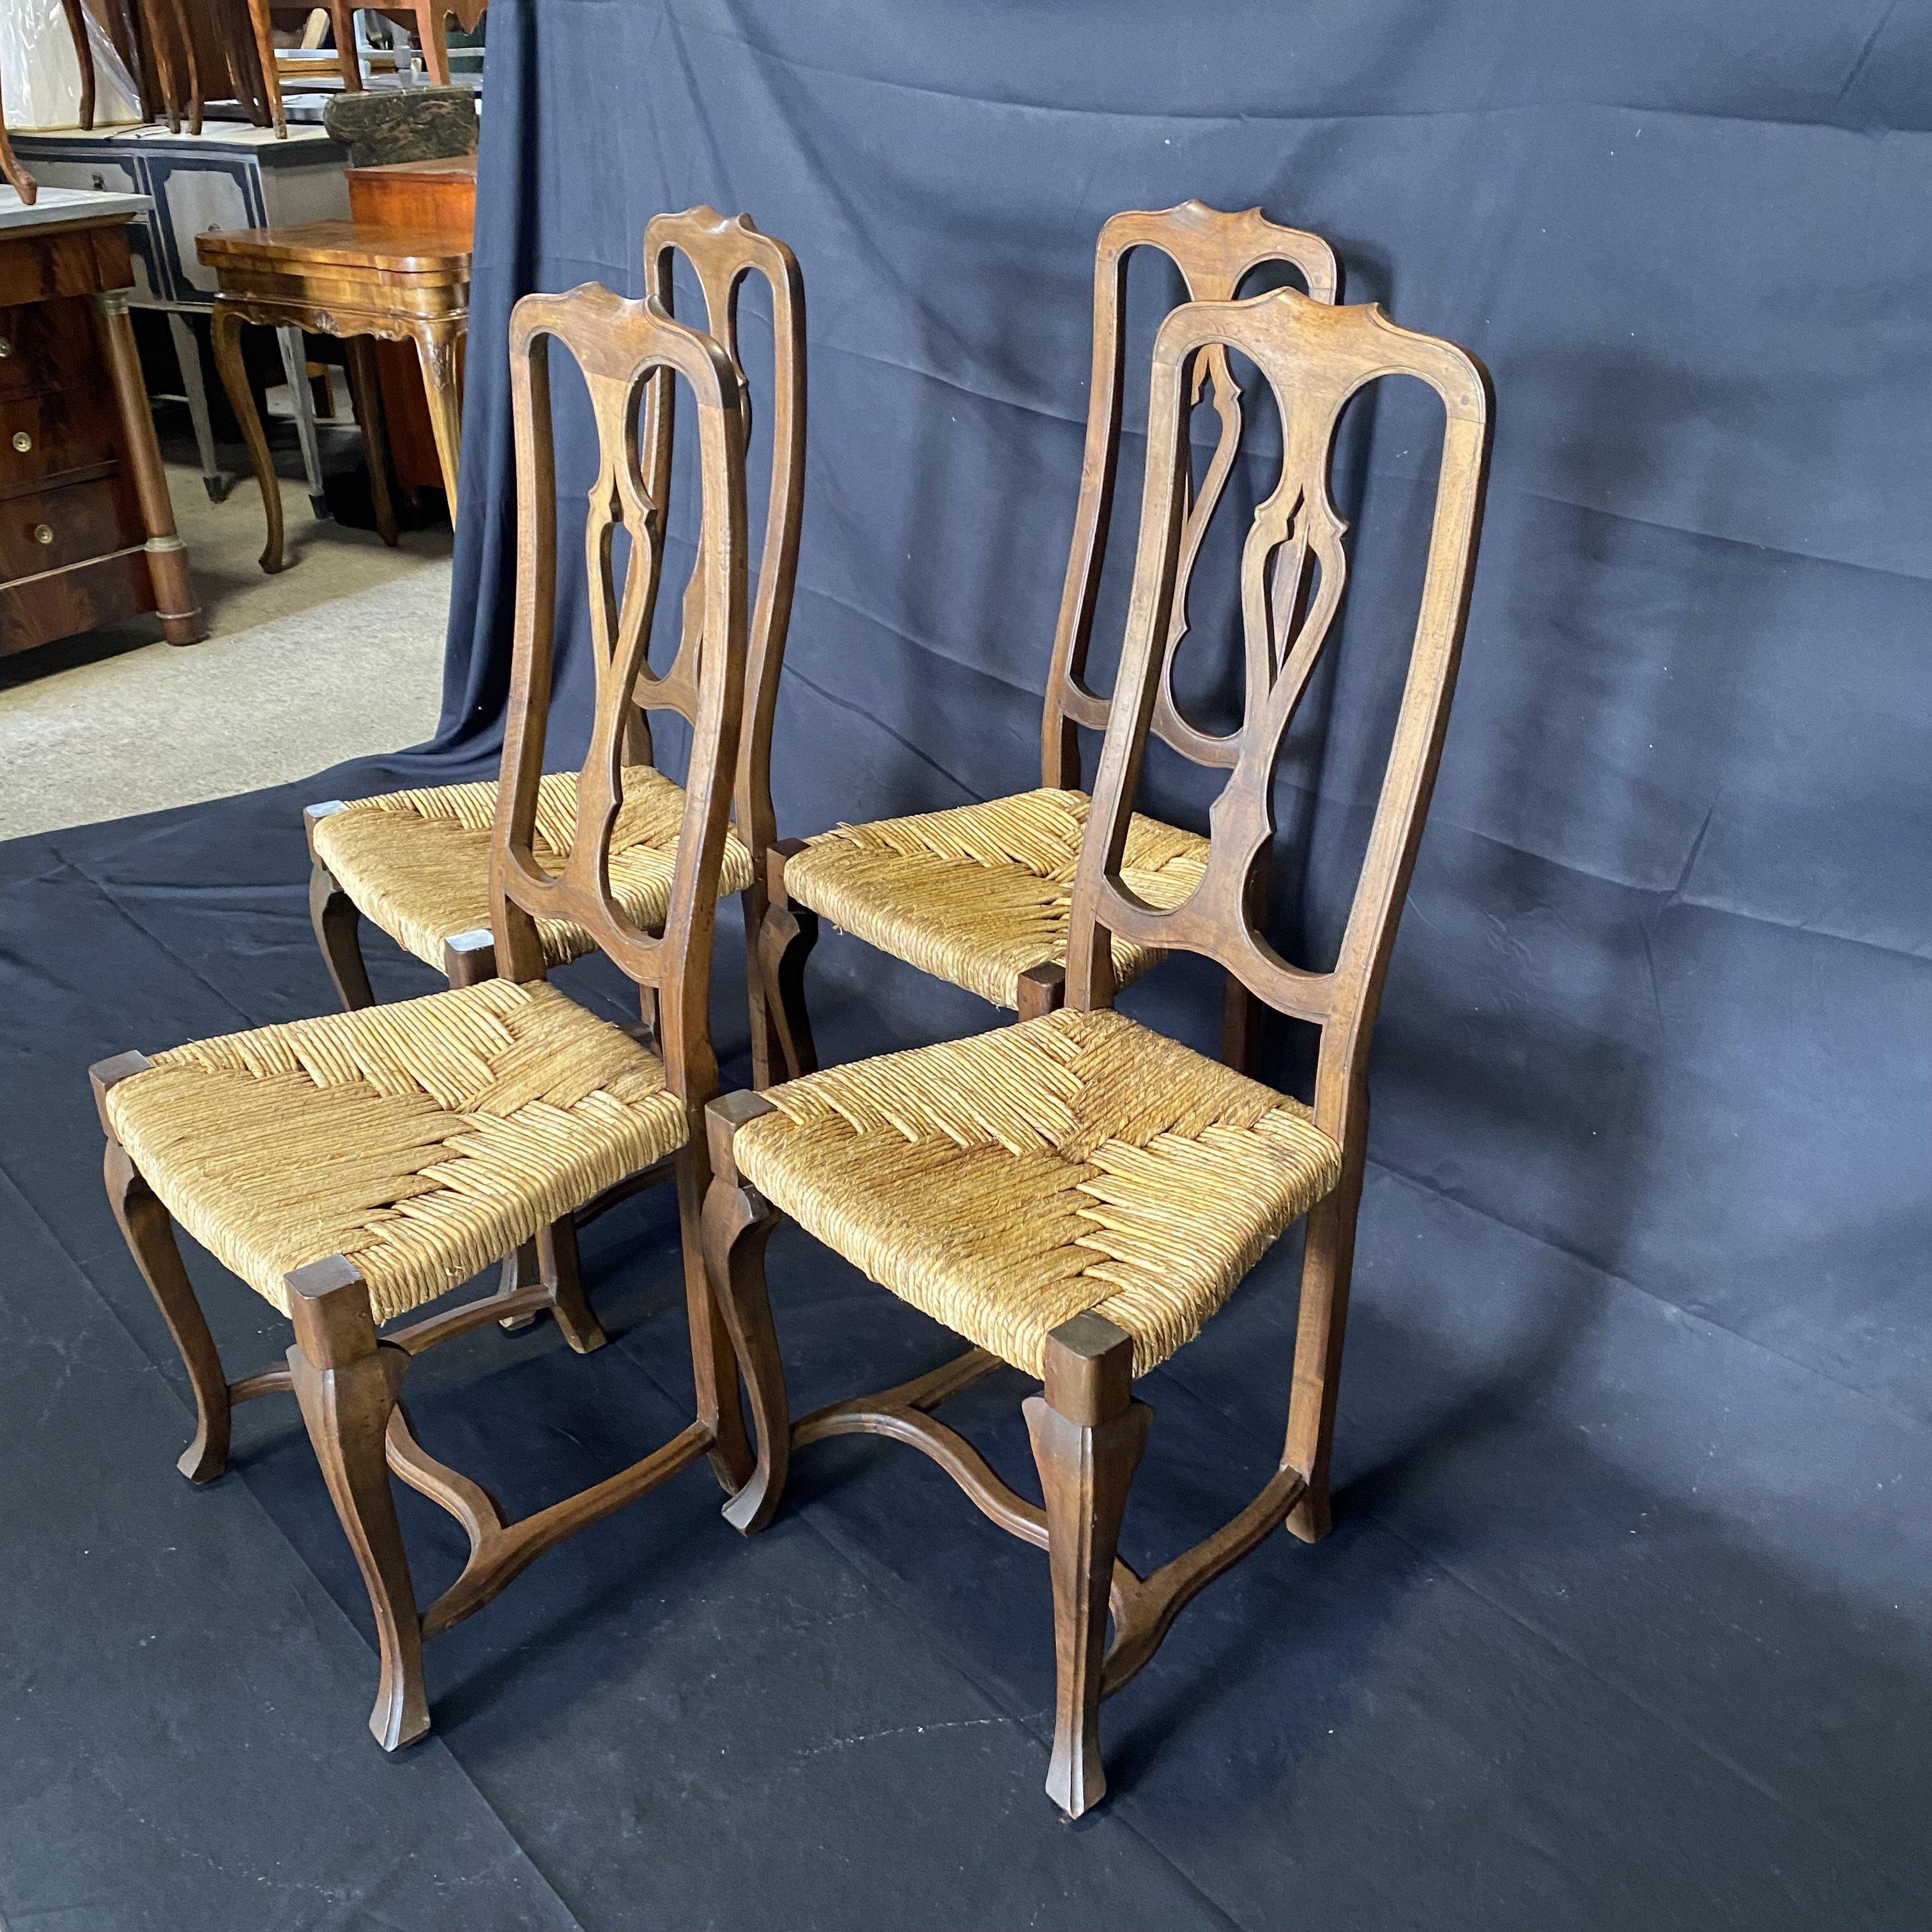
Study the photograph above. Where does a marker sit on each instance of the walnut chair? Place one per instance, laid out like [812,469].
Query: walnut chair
[417,863]
[1075,1194]
[352,1167]
[980,895]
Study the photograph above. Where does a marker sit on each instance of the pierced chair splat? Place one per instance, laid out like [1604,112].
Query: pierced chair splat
[1076,1195]
[353,1168]
[981,894]
[417,863]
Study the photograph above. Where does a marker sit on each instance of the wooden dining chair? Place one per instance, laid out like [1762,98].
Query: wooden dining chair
[1075,1194]
[352,1167]
[416,863]
[980,895]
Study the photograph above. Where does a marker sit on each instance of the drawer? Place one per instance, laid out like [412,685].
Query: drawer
[80,599]
[49,345]
[47,529]
[43,437]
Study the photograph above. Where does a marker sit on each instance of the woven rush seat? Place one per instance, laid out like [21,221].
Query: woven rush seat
[978,894]
[417,863]
[1071,1163]
[424,1140]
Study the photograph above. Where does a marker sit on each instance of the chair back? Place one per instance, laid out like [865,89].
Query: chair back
[620,347]
[722,250]
[1214,251]
[1293,572]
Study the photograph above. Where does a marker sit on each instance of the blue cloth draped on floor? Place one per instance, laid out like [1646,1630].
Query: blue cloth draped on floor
[1625,1618]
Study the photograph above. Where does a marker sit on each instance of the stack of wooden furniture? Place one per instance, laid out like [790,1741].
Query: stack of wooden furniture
[184,55]
[87,532]
[429,19]
[1074,1194]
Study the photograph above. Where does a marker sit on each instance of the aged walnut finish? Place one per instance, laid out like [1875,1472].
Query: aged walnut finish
[415,863]
[353,1167]
[1075,1194]
[981,894]
[337,278]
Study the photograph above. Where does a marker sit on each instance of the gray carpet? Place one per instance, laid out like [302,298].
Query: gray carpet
[102,726]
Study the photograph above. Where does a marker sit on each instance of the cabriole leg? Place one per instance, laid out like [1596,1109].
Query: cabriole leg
[556,1257]
[1087,1432]
[787,934]
[714,1361]
[337,921]
[738,1222]
[225,332]
[519,1271]
[768,1049]
[150,1236]
[346,1380]
[1327,1261]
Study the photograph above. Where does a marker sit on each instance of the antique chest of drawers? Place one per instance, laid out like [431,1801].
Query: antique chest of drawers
[87,532]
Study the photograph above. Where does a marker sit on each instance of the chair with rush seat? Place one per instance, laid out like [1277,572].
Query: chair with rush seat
[1075,1194]
[417,863]
[352,1167]
[980,895]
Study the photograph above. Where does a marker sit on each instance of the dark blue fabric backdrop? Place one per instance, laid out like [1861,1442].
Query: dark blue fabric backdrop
[1663,1000]
[1627,1620]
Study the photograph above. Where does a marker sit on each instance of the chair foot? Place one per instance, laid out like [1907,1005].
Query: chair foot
[1088,1432]
[149,1232]
[1311,1518]
[346,1380]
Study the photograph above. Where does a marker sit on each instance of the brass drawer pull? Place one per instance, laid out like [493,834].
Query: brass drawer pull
[43,533]
[22,442]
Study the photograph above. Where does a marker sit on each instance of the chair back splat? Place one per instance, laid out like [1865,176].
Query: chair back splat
[1315,358]
[722,251]
[1214,252]
[622,346]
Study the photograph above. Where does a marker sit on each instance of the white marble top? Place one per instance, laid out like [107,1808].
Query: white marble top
[155,133]
[64,204]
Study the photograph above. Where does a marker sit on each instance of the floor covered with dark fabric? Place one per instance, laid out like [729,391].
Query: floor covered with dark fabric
[1626,1621]
[1587,1647]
